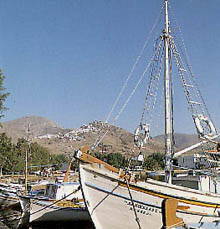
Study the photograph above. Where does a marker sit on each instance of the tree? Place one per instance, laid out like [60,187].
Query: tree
[117,160]
[59,160]
[154,161]
[7,152]
[3,95]
[12,156]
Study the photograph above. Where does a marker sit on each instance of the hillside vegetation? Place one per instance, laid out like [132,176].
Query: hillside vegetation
[13,156]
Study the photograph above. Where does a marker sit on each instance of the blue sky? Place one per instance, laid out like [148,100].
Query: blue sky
[67,60]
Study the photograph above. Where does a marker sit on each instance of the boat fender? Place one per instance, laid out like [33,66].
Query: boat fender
[199,126]
[212,128]
[138,140]
[198,121]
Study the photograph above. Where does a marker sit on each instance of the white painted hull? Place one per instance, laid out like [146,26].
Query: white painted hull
[110,206]
[44,210]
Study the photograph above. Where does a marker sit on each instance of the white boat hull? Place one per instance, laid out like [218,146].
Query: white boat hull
[111,206]
[44,210]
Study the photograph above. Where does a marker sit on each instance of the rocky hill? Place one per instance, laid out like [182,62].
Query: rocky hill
[37,125]
[115,139]
[181,140]
[60,140]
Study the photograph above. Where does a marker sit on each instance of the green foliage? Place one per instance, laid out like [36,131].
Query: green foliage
[100,156]
[12,156]
[39,155]
[59,160]
[7,152]
[117,160]
[154,161]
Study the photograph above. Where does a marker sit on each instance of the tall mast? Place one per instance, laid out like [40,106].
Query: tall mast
[168,146]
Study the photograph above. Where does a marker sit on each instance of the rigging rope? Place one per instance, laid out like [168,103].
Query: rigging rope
[133,91]
[135,64]
[194,98]
[99,138]
[153,84]
[187,61]
[133,205]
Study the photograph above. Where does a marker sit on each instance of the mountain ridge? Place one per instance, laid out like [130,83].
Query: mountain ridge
[61,140]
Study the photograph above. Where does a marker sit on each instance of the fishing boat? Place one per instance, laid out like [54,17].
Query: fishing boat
[57,202]
[114,197]
[60,202]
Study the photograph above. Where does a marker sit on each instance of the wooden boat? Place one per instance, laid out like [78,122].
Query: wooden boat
[60,202]
[137,204]
[116,199]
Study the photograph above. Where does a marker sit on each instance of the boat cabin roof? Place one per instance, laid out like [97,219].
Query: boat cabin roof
[63,184]
[61,190]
